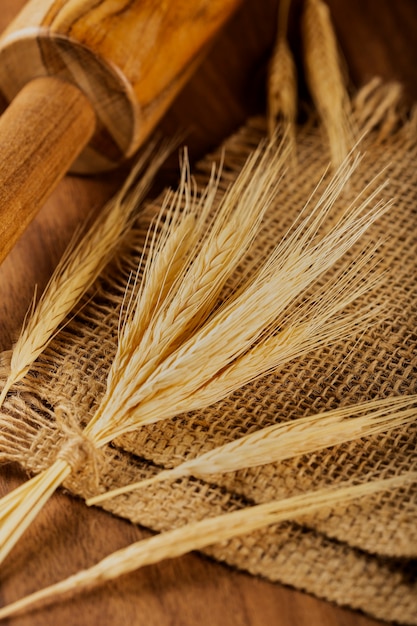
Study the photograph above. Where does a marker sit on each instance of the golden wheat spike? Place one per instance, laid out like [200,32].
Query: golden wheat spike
[79,266]
[200,535]
[325,78]
[320,321]
[282,80]
[290,439]
[181,289]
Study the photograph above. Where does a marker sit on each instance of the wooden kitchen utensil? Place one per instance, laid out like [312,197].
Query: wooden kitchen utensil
[88,83]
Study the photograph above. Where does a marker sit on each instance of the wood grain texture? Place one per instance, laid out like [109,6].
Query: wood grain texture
[190,590]
[41,134]
[130,57]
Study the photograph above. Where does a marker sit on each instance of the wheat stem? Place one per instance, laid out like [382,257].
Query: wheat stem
[22,505]
[200,535]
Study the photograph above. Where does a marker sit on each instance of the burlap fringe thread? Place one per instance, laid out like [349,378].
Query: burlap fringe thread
[361,555]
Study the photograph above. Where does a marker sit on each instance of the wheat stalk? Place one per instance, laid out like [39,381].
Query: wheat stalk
[201,534]
[78,268]
[282,80]
[325,78]
[287,440]
[26,502]
[187,344]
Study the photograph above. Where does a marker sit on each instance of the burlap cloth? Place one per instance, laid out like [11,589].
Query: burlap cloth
[361,555]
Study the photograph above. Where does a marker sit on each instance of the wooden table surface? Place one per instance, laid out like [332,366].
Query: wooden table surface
[378,37]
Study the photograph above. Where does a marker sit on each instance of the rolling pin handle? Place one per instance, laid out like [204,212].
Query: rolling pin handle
[42,132]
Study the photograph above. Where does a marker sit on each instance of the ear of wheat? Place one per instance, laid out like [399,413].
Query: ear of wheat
[199,535]
[161,367]
[282,81]
[289,439]
[319,321]
[325,78]
[185,273]
[78,268]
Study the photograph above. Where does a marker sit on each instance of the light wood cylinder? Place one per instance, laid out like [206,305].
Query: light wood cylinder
[35,156]
[129,57]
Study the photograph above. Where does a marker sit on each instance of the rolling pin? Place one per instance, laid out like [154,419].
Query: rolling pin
[87,82]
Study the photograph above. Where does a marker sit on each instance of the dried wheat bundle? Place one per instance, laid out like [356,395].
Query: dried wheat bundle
[287,440]
[282,80]
[176,380]
[198,535]
[222,247]
[325,78]
[81,263]
[165,365]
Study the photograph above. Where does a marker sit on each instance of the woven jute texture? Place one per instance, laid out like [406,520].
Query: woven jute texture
[360,555]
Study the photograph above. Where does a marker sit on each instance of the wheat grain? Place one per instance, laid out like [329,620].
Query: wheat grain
[201,534]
